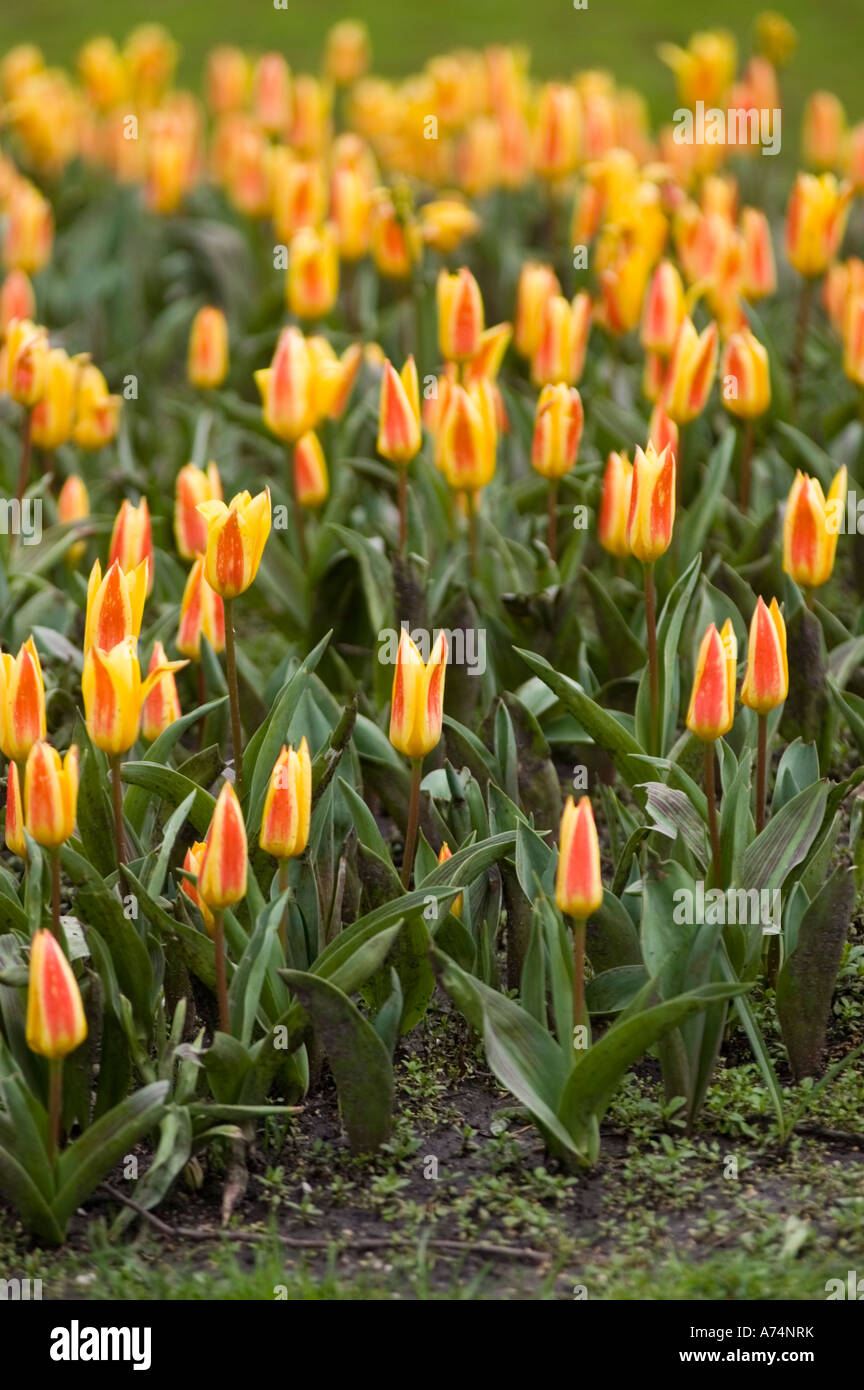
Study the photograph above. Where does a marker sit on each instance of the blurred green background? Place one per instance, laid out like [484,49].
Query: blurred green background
[618,34]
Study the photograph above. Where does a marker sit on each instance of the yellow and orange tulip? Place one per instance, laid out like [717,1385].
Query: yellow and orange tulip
[56,1024]
[578,880]
[236,536]
[288,804]
[712,699]
[417,708]
[50,794]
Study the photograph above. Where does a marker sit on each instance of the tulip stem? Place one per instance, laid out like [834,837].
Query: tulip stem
[552,518]
[471,500]
[578,974]
[800,340]
[234,697]
[55,892]
[413,821]
[221,976]
[284,871]
[653,673]
[761,771]
[402,496]
[119,840]
[713,825]
[746,458]
[55,1105]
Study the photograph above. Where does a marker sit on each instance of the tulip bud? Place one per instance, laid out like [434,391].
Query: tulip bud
[578,880]
[53,414]
[115,605]
[17,300]
[28,234]
[271,83]
[460,315]
[537,284]
[114,694]
[346,52]
[652,504]
[22,702]
[417,708]
[664,310]
[662,431]
[132,539]
[815,222]
[288,804]
[299,194]
[758,270]
[162,705]
[623,290]
[96,411]
[766,681]
[50,794]
[286,386]
[55,1014]
[222,875]
[712,701]
[466,441]
[746,381]
[486,362]
[557,131]
[823,131]
[207,359]
[557,431]
[692,369]
[15,841]
[236,536]
[26,358]
[312,278]
[192,865]
[202,614]
[615,505]
[311,484]
[399,437]
[811,528]
[553,359]
[227,79]
[193,486]
[445,223]
[349,210]
[444,854]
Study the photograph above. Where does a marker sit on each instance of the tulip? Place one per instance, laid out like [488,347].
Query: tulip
[312,278]
[15,840]
[17,300]
[193,486]
[810,530]
[103,73]
[26,356]
[28,234]
[662,431]
[557,131]
[654,377]
[334,392]
[578,887]
[288,804]
[299,194]
[399,437]
[555,445]
[56,1024]
[114,694]
[649,531]
[466,441]
[444,854]
[132,539]
[664,310]
[705,70]
[350,205]
[622,288]
[310,129]
[396,244]
[222,880]
[460,315]
[553,359]
[766,684]
[615,505]
[96,410]
[271,83]
[445,223]
[228,79]
[207,358]
[537,284]
[22,702]
[346,52]
[486,362]
[115,605]
[192,865]
[73,504]
[50,794]
[162,705]
[202,614]
[711,713]
[416,717]
[311,484]
[53,414]
[150,56]
[236,536]
[823,131]
[758,270]
[815,222]
[853,340]
[286,387]
[692,369]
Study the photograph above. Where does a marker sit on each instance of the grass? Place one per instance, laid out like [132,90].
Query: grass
[621,35]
